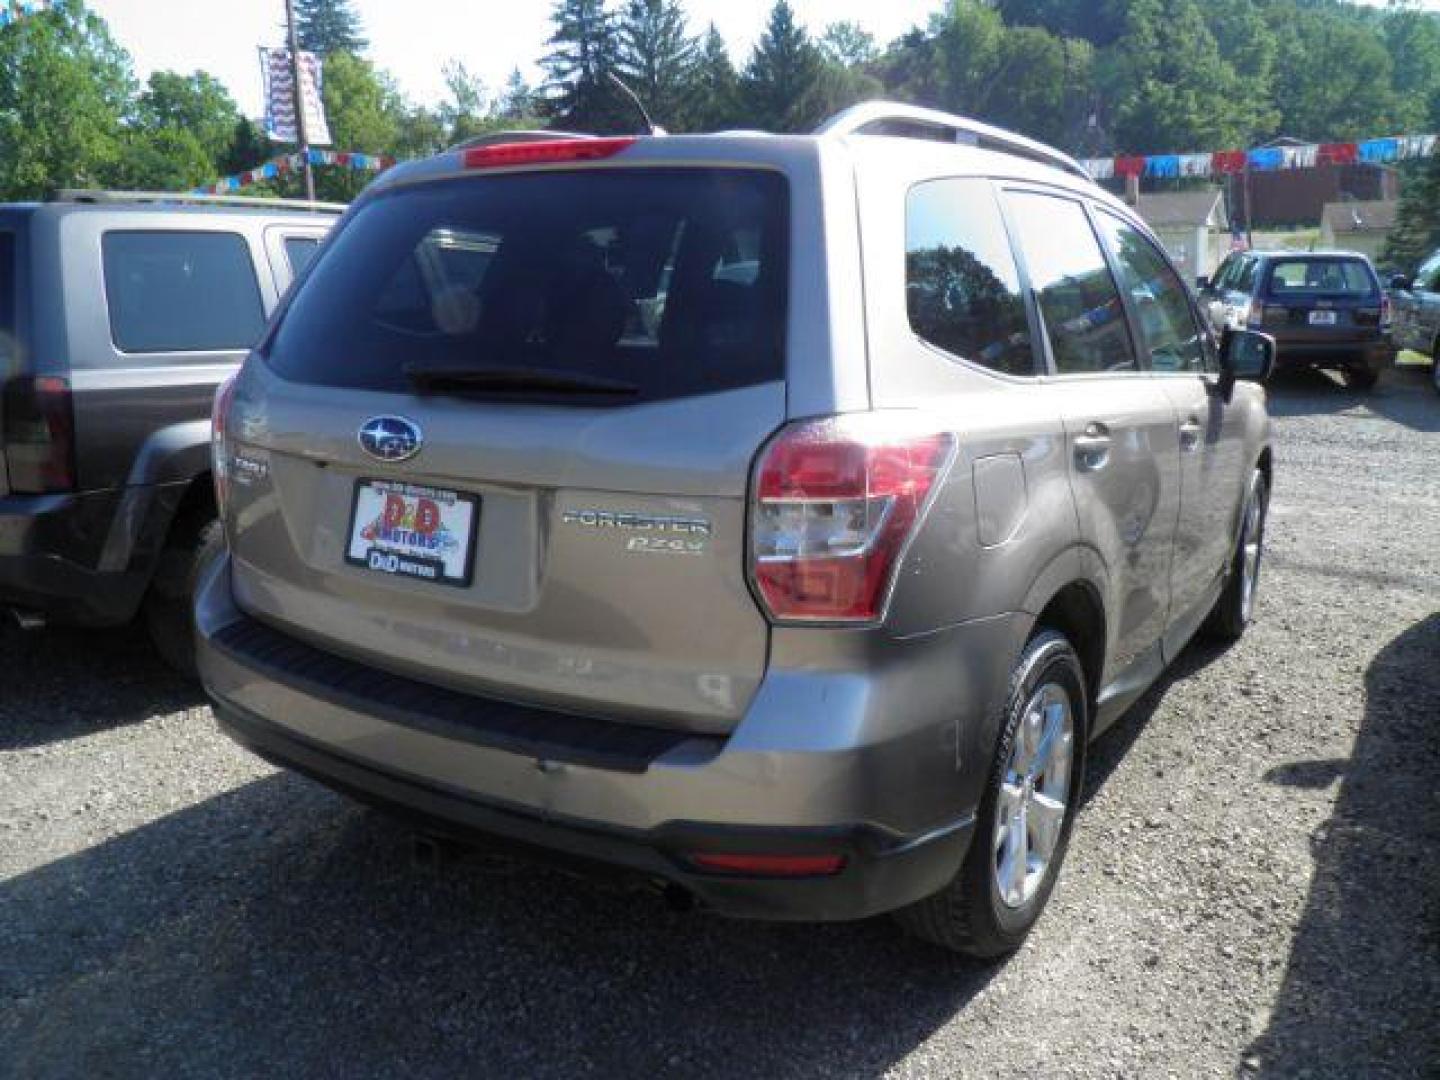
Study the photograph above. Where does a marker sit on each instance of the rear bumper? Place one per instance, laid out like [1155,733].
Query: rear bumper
[874,765]
[1375,353]
[51,551]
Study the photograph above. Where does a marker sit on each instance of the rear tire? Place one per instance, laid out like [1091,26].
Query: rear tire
[1025,815]
[169,605]
[1234,610]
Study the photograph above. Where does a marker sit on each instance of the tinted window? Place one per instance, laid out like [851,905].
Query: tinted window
[672,280]
[1084,317]
[9,286]
[961,286]
[1343,277]
[1245,275]
[181,292]
[1167,324]
[300,250]
[1429,273]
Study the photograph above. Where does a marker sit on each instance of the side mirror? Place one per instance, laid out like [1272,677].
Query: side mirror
[1400,281]
[1245,354]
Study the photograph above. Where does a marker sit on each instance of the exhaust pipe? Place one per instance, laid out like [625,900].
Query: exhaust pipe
[28,620]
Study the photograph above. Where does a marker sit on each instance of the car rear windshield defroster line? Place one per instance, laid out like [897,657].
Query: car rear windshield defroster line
[670,280]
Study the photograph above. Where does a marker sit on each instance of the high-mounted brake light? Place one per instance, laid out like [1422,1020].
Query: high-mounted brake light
[39,427]
[219,445]
[545,152]
[835,503]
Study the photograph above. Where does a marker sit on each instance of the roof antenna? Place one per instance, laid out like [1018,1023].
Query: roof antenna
[650,125]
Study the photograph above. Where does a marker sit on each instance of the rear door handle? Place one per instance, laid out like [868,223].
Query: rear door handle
[1190,432]
[1092,447]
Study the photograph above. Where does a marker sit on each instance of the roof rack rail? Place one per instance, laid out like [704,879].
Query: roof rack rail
[496,138]
[896,117]
[83,195]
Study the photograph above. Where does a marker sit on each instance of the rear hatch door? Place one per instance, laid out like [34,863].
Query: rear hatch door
[1322,300]
[501,439]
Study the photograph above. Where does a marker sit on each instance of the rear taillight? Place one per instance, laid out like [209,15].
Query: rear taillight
[545,152]
[39,432]
[1257,313]
[835,503]
[219,445]
[1385,312]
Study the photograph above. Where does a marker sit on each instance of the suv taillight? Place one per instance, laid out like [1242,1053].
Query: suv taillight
[219,450]
[1385,312]
[835,502]
[39,432]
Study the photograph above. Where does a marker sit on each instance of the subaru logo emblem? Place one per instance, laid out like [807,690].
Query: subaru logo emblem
[390,438]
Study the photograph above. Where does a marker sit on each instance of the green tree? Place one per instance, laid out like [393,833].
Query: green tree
[197,104]
[519,104]
[848,44]
[1333,75]
[65,87]
[1412,38]
[1417,224]
[328,26]
[656,58]
[1167,87]
[782,81]
[365,111]
[714,86]
[583,53]
[162,158]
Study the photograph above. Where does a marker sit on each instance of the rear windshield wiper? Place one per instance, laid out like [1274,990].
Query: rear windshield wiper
[541,381]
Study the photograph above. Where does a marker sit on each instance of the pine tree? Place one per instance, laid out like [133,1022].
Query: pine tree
[584,47]
[783,74]
[328,26]
[1417,223]
[714,87]
[518,101]
[657,58]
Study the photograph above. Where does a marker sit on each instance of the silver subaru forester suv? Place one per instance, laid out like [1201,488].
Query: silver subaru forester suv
[773,518]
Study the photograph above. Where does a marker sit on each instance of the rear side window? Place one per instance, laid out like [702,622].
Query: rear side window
[962,290]
[1167,323]
[181,292]
[672,281]
[1083,315]
[1332,277]
[9,288]
[300,250]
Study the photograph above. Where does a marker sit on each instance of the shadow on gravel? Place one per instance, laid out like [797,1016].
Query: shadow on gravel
[1359,996]
[280,930]
[1403,396]
[62,684]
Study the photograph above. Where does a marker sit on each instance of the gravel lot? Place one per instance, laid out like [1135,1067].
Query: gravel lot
[1253,887]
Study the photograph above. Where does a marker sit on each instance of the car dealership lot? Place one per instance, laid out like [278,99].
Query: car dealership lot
[1253,886]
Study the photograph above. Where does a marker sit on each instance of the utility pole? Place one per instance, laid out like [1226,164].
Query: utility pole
[300,133]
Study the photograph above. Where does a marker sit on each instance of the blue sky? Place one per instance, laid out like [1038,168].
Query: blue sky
[414,38]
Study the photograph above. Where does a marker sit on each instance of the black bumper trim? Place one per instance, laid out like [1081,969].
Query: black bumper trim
[520,729]
[882,872]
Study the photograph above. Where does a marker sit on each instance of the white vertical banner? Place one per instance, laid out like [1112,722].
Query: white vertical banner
[280,123]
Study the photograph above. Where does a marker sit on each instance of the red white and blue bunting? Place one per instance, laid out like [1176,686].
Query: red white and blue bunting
[290,163]
[12,12]
[1265,159]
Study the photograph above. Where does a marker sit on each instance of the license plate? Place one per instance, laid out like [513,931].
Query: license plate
[406,530]
[1322,318]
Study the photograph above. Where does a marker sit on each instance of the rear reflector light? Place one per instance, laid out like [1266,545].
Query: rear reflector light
[545,152]
[39,431]
[1384,310]
[219,446]
[835,503]
[769,865]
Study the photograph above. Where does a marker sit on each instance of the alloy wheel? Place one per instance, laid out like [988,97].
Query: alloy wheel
[1034,795]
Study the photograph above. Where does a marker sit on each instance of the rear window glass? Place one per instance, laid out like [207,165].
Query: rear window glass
[962,289]
[672,281]
[8,289]
[1330,276]
[300,250]
[181,292]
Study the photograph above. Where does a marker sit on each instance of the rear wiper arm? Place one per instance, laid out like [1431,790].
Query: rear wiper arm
[516,380]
